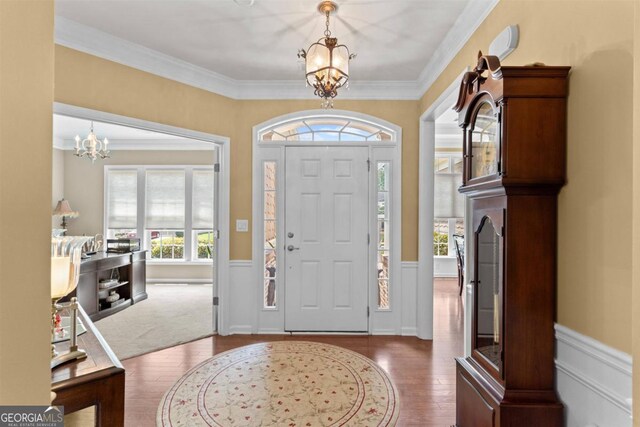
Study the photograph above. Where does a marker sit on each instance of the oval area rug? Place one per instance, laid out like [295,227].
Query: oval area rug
[282,383]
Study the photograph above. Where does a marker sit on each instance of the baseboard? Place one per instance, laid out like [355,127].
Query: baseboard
[240,329]
[272,331]
[409,331]
[381,331]
[178,281]
[594,381]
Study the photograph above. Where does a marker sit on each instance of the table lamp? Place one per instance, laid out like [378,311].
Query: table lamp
[65,270]
[63,210]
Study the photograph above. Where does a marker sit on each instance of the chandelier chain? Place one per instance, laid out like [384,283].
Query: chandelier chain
[327,32]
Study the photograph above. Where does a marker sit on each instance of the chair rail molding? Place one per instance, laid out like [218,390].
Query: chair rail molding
[593,380]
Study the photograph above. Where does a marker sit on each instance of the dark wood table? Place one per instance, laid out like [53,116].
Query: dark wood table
[97,380]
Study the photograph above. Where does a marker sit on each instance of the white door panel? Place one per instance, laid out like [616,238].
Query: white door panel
[326,213]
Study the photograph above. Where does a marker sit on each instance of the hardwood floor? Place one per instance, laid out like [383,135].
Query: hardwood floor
[423,371]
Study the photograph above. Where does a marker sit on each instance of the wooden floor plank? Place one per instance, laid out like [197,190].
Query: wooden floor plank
[423,371]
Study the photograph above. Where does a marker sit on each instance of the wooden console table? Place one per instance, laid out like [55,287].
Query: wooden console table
[97,380]
[131,270]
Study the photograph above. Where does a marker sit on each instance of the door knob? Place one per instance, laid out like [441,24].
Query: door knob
[290,248]
[289,234]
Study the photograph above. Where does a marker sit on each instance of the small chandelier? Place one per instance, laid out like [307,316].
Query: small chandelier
[91,147]
[326,61]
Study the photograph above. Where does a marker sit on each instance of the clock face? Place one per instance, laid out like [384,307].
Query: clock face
[485,144]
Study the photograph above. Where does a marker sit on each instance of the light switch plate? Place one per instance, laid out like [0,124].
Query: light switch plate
[242,225]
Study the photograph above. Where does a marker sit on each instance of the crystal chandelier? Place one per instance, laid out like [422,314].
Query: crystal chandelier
[326,61]
[91,147]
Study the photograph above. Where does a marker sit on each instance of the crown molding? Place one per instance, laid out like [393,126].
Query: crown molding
[115,145]
[467,23]
[59,144]
[89,40]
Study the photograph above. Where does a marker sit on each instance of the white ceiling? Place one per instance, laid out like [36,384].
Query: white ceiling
[66,128]
[394,39]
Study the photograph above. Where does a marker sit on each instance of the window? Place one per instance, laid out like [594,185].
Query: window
[203,212]
[122,203]
[270,253]
[166,244]
[383,170]
[165,213]
[448,203]
[170,208]
[441,237]
[326,129]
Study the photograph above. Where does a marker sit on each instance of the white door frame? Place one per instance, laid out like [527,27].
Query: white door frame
[425,223]
[222,143]
[271,320]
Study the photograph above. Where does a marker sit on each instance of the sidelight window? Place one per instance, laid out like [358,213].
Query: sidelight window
[383,227]
[270,253]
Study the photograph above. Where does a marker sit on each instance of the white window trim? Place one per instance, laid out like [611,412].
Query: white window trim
[381,321]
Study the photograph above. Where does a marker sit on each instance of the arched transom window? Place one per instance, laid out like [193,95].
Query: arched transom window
[327,129]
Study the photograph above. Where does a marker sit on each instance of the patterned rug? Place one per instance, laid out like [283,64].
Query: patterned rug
[283,383]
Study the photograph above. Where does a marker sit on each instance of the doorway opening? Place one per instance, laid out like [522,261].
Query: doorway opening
[161,191]
[326,233]
[443,235]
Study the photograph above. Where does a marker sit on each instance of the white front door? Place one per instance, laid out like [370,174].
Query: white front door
[326,239]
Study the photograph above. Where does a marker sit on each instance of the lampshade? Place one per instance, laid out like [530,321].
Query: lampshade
[326,61]
[66,253]
[62,282]
[64,209]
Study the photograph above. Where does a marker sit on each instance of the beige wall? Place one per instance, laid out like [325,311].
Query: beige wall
[595,207]
[594,239]
[91,82]
[179,273]
[57,183]
[26,96]
[636,215]
[84,189]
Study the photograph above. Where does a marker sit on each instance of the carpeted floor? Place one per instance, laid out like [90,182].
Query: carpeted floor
[173,314]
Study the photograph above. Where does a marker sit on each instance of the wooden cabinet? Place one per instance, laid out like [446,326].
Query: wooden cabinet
[514,124]
[138,276]
[130,271]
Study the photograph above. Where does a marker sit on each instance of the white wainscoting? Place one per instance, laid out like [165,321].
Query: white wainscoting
[241,306]
[594,381]
[444,266]
[408,310]
[242,310]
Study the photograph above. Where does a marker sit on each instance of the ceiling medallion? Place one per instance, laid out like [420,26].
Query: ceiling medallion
[326,61]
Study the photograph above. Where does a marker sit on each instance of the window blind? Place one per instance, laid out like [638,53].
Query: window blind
[165,199]
[449,203]
[202,199]
[122,203]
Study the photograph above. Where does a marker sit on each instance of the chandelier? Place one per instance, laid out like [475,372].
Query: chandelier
[91,147]
[326,61]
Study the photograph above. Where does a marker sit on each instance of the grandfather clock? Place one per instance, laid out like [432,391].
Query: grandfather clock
[514,124]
